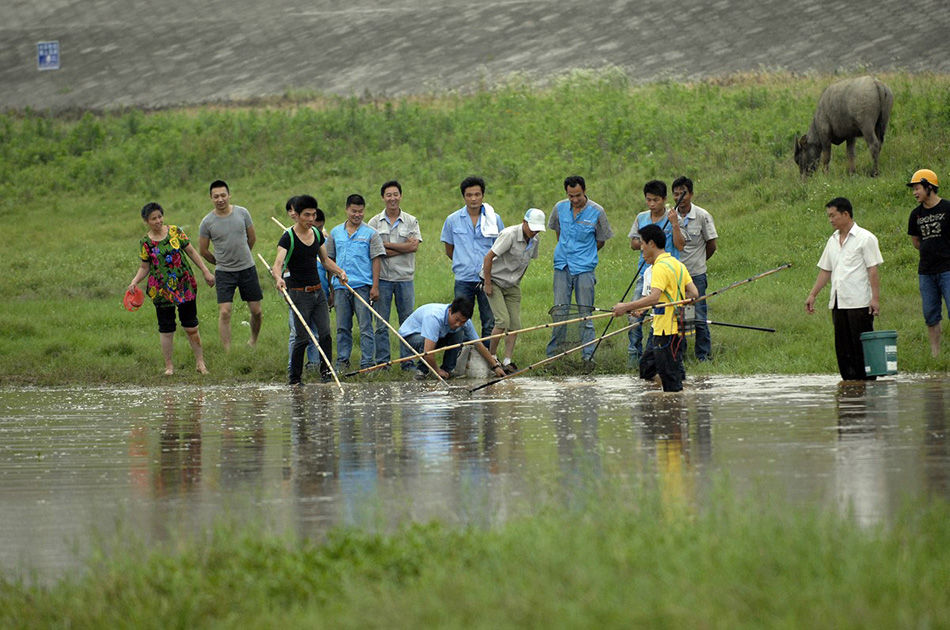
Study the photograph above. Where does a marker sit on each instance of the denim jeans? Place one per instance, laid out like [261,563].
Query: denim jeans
[932,287]
[582,286]
[313,307]
[346,305]
[449,357]
[635,335]
[312,355]
[472,291]
[703,340]
[404,293]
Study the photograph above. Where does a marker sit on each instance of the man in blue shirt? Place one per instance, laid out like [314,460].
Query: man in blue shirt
[434,326]
[357,249]
[654,195]
[468,234]
[582,229]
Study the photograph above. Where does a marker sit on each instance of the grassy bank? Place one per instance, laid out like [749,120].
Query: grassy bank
[630,560]
[71,188]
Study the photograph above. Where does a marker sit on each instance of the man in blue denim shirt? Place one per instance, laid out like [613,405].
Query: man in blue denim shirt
[582,229]
[468,234]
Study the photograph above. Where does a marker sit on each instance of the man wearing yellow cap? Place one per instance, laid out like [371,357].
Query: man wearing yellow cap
[929,230]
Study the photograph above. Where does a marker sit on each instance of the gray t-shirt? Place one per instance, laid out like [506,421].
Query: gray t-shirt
[229,238]
[697,228]
[397,267]
[513,254]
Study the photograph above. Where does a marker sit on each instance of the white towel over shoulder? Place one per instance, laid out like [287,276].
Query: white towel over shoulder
[489,221]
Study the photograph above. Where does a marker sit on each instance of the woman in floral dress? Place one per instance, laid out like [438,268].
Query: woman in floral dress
[171,283]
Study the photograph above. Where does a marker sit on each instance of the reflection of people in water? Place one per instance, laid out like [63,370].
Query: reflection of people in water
[936,450]
[243,440]
[860,481]
[179,443]
[665,423]
[314,457]
[575,417]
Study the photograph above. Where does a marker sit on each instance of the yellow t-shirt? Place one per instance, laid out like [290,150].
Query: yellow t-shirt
[670,277]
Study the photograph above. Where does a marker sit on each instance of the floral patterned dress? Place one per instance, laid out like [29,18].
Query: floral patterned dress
[170,280]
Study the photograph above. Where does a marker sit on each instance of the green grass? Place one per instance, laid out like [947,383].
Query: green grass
[626,558]
[71,188]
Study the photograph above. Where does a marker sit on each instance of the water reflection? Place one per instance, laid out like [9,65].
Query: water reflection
[178,466]
[936,450]
[307,459]
[575,420]
[860,482]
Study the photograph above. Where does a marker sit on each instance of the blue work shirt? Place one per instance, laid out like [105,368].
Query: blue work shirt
[432,322]
[354,253]
[643,219]
[576,248]
[469,243]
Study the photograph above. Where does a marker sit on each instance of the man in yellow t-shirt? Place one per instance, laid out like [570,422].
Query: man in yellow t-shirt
[670,283]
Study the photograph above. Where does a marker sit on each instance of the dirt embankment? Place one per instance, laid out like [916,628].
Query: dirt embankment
[130,52]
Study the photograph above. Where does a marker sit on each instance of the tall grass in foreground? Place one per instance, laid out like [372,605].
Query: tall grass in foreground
[624,560]
[71,188]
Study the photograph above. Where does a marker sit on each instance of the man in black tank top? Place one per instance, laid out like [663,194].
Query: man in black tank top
[295,269]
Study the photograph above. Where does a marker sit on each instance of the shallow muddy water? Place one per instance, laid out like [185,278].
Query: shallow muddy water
[78,463]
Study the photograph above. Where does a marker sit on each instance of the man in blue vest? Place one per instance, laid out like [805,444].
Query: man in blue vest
[581,228]
[357,249]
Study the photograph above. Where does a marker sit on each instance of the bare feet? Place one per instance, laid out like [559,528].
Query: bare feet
[169,371]
[252,342]
[202,368]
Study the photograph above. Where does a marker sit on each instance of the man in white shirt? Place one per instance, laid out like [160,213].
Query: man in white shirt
[849,262]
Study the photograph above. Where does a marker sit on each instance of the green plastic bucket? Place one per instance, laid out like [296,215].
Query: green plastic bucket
[880,352]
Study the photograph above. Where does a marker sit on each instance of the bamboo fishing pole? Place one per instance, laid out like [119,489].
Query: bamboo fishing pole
[722,290]
[307,328]
[558,356]
[479,340]
[390,326]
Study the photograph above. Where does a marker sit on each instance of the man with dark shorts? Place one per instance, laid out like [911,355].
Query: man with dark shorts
[929,230]
[230,229]
[670,282]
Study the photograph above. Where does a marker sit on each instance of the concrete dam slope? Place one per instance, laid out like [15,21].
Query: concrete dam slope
[116,53]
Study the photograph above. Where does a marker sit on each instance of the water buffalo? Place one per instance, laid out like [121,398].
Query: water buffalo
[847,109]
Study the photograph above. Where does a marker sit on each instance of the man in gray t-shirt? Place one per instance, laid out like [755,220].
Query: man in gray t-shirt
[697,233]
[230,230]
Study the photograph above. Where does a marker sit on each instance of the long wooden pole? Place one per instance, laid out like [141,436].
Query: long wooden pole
[480,340]
[390,326]
[604,336]
[313,338]
[558,356]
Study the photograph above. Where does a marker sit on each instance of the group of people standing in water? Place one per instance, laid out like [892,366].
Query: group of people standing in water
[364,268]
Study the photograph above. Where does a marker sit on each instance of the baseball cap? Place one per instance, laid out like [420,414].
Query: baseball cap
[535,219]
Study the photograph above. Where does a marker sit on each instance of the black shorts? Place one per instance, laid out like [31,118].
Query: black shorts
[187,313]
[246,280]
[664,356]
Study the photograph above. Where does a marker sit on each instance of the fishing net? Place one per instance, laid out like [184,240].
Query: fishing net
[570,335]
